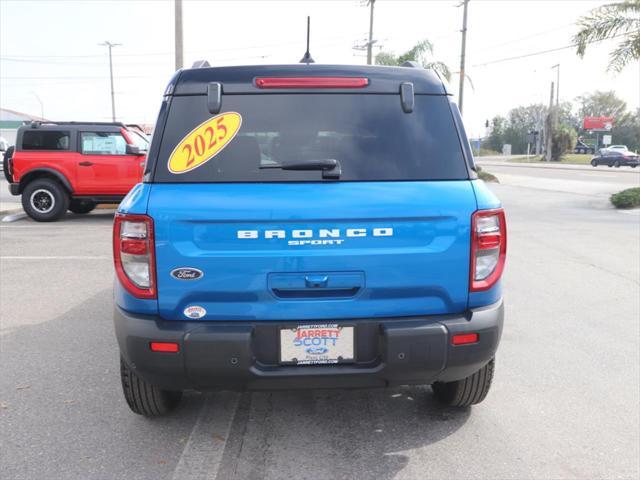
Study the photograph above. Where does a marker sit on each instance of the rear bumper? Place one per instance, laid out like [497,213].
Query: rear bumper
[238,355]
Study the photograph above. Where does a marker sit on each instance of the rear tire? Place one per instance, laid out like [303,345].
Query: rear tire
[45,200]
[468,391]
[81,206]
[144,398]
[594,163]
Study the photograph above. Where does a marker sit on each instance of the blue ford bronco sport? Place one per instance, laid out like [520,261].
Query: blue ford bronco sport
[307,226]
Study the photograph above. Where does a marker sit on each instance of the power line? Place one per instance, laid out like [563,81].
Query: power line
[73,78]
[147,54]
[573,45]
[515,40]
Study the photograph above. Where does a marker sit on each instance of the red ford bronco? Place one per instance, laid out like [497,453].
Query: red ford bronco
[60,166]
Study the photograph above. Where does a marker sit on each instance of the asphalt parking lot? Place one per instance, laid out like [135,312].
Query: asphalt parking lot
[564,403]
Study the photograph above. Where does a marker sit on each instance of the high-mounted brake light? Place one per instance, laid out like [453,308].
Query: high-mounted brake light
[488,248]
[133,254]
[311,82]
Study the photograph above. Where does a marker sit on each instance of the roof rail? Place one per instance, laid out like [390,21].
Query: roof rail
[411,64]
[38,123]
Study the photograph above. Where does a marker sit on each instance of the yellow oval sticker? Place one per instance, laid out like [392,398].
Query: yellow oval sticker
[204,142]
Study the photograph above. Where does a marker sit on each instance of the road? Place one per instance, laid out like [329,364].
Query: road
[5,196]
[579,179]
[564,402]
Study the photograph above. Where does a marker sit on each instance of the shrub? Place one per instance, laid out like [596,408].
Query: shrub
[486,176]
[628,198]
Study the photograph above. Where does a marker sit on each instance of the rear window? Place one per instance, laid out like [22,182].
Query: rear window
[45,140]
[370,136]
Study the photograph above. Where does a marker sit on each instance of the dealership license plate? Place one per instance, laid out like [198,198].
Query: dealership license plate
[316,344]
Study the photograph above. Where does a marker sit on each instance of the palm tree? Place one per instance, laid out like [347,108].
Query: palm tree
[421,53]
[608,21]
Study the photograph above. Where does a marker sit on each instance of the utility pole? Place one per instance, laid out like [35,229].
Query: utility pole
[370,42]
[548,131]
[178,34]
[462,55]
[557,66]
[113,98]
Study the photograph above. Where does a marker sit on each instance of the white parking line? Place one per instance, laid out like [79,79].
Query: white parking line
[54,257]
[203,451]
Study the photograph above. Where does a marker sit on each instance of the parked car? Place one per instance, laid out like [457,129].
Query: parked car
[73,165]
[308,226]
[616,158]
[618,148]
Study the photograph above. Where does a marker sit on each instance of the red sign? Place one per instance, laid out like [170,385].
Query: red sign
[597,123]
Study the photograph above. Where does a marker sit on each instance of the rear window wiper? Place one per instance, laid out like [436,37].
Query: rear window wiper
[330,166]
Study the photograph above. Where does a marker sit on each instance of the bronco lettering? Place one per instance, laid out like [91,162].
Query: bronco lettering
[322,233]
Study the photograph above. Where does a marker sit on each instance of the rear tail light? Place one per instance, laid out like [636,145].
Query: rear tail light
[311,82]
[488,248]
[464,338]
[168,347]
[133,254]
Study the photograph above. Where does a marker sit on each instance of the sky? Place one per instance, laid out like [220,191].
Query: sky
[51,60]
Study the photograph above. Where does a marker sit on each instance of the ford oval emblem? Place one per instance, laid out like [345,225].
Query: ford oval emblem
[195,312]
[317,350]
[187,273]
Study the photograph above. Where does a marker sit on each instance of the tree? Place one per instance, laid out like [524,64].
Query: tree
[600,104]
[608,21]
[523,120]
[496,134]
[566,116]
[563,140]
[627,130]
[421,52]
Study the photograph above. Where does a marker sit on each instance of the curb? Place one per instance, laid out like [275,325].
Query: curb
[568,166]
[10,211]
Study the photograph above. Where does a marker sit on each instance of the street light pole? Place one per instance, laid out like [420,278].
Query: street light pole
[178,34]
[113,98]
[41,105]
[370,42]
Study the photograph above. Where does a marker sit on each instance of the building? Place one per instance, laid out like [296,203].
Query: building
[10,120]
